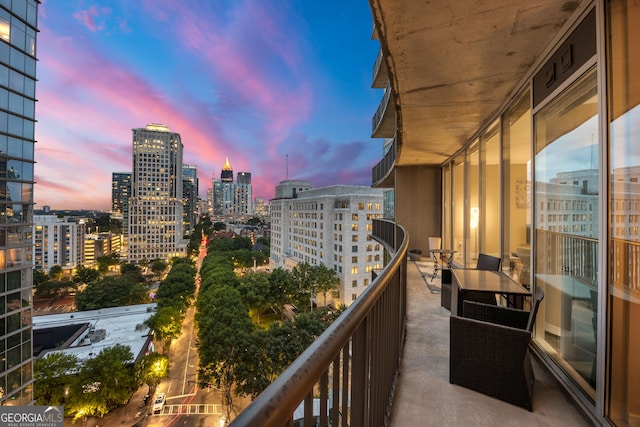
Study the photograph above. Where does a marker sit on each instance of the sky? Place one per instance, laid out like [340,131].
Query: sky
[280,87]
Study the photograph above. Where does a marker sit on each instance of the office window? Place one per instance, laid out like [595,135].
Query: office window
[354,270]
[354,237]
[354,248]
[354,259]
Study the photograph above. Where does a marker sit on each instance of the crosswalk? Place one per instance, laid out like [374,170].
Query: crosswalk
[192,409]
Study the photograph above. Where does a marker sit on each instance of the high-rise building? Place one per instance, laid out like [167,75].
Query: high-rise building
[189,197]
[232,200]
[330,226]
[58,242]
[18,30]
[155,204]
[120,190]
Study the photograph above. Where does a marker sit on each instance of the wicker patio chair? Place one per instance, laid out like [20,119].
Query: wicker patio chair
[489,351]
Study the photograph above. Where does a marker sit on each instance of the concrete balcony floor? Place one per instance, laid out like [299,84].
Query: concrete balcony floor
[424,396]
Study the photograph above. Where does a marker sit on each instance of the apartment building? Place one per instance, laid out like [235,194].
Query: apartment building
[58,241]
[330,226]
[155,203]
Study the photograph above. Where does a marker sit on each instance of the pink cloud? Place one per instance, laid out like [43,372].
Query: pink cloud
[87,17]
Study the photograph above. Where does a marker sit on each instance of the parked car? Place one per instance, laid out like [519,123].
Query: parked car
[158,404]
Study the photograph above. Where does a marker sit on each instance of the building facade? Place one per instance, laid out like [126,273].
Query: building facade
[189,197]
[232,201]
[57,242]
[155,204]
[521,142]
[330,226]
[18,30]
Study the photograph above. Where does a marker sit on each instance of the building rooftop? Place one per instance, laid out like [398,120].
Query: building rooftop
[121,325]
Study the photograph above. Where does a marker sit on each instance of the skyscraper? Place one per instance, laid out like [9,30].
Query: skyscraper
[232,200]
[18,29]
[120,192]
[189,197]
[155,205]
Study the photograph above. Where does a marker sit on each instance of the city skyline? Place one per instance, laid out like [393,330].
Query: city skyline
[282,89]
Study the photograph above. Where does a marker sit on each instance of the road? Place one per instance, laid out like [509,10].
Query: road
[186,404]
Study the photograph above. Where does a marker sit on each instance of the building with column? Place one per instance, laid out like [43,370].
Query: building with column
[18,30]
[330,226]
[513,131]
[156,203]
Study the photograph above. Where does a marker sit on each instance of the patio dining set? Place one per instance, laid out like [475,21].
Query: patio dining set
[490,329]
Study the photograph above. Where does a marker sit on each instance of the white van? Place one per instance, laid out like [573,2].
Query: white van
[158,404]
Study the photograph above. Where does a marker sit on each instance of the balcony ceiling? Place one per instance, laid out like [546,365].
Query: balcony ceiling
[452,64]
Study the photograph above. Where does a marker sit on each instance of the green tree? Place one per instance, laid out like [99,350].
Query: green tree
[217,226]
[158,266]
[104,383]
[326,280]
[53,374]
[85,275]
[166,323]
[256,292]
[303,276]
[56,272]
[151,369]
[106,261]
[224,335]
[111,292]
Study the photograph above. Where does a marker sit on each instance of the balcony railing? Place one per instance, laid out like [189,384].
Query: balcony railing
[381,170]
[380,74]
[383,122]
[349,372]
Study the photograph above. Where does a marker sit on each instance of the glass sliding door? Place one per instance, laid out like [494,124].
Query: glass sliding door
[623,406]
[566,228]
[489,220]
[446,207]
[458,209]
[472,207]
[516,184]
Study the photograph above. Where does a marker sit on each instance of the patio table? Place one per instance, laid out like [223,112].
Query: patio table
[466,281]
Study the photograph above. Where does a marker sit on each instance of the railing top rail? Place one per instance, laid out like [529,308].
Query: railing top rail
[278,401]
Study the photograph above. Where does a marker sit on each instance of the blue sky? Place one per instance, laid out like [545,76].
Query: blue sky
[257,81]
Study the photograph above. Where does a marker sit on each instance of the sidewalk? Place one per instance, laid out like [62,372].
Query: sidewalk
[127,415]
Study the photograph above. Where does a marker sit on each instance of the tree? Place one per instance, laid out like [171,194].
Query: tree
[56,272]
[217,226]
[104,383]
[53,375]
[151,369]
[326,280]
[304,278]
[106,261]
[158,266]
[111,292]
[85,275]
[166,324]
[256,292]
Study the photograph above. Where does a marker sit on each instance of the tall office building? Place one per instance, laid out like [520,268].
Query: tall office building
[18,29]
[232,200]
[120,190]
[189,197]
[155,204]
[330,226]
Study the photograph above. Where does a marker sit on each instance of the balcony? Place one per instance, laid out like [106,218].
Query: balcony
[385,361]
[384,120]
[381,176]
[380,73]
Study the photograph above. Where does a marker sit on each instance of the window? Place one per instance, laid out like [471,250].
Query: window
[353,297]
[354,227]
[354,248]
[354,237]
[354,259]
[354,270]
[354,283]
[354,217]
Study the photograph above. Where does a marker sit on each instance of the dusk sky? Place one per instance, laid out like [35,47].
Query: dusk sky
[256,81]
